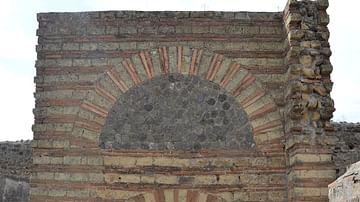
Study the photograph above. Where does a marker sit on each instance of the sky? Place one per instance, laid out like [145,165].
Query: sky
[18,40]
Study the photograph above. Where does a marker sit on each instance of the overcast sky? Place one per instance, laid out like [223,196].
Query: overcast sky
[17,49]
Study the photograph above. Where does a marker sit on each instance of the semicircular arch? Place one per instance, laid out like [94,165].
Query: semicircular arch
[259,106]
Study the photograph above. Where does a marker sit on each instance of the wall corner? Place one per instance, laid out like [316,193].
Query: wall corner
[309,133]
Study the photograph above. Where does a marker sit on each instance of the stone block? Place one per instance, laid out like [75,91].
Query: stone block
[71,46]
[166,179]
[95,160]
[79,193]
[205,180]
[79,177]
[62,176]
[72,160]
[229,179]
[57,192]
[119,161]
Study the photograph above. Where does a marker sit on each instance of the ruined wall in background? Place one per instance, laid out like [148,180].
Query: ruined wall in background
[15,163]
[347,149]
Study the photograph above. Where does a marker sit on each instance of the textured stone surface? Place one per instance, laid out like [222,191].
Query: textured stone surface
[13,190]
[309,106]
[177,112]
[15,159]
[346,187]
[15,162]
[347,148]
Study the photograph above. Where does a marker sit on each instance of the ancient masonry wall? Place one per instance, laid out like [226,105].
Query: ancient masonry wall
[15,161]
[15,165]
[244,112]
[347,148]
[309,135]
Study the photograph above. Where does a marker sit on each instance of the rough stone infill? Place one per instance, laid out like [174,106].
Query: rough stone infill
[347,186]
[177,112]
[15,162]
[347,148]
[15,159]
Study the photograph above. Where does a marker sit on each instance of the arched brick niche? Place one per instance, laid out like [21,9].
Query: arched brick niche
[267,64]
[152,72]
[245,161]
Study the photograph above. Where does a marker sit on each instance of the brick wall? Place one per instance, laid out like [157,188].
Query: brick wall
[15,165]
[90,65]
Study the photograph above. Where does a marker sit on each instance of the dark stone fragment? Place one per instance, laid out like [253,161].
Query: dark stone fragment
[125,146]
[201,138]
[220,137]
[242,117]
[186,180]
[225,121]
[184,93]
[210,122]
[222,113]
[226,106]
[197,146]
[158,138]
[211,101]
[216,87]
[184,103]
[206,115]
[144,146]
[171,78]
[142,137]
[222,97]
[148,107]
[214,113]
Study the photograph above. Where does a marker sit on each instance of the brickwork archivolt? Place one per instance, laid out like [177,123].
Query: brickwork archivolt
[259,106]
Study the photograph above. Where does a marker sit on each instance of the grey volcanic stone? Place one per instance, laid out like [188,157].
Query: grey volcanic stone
[15,163]
[177,112]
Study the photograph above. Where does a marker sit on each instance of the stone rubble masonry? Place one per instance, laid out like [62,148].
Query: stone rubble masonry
[347,186]
[347,148]
[15,165]
[310,136]
[274,65]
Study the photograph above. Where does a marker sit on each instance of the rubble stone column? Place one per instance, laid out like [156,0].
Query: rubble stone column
[309,108]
